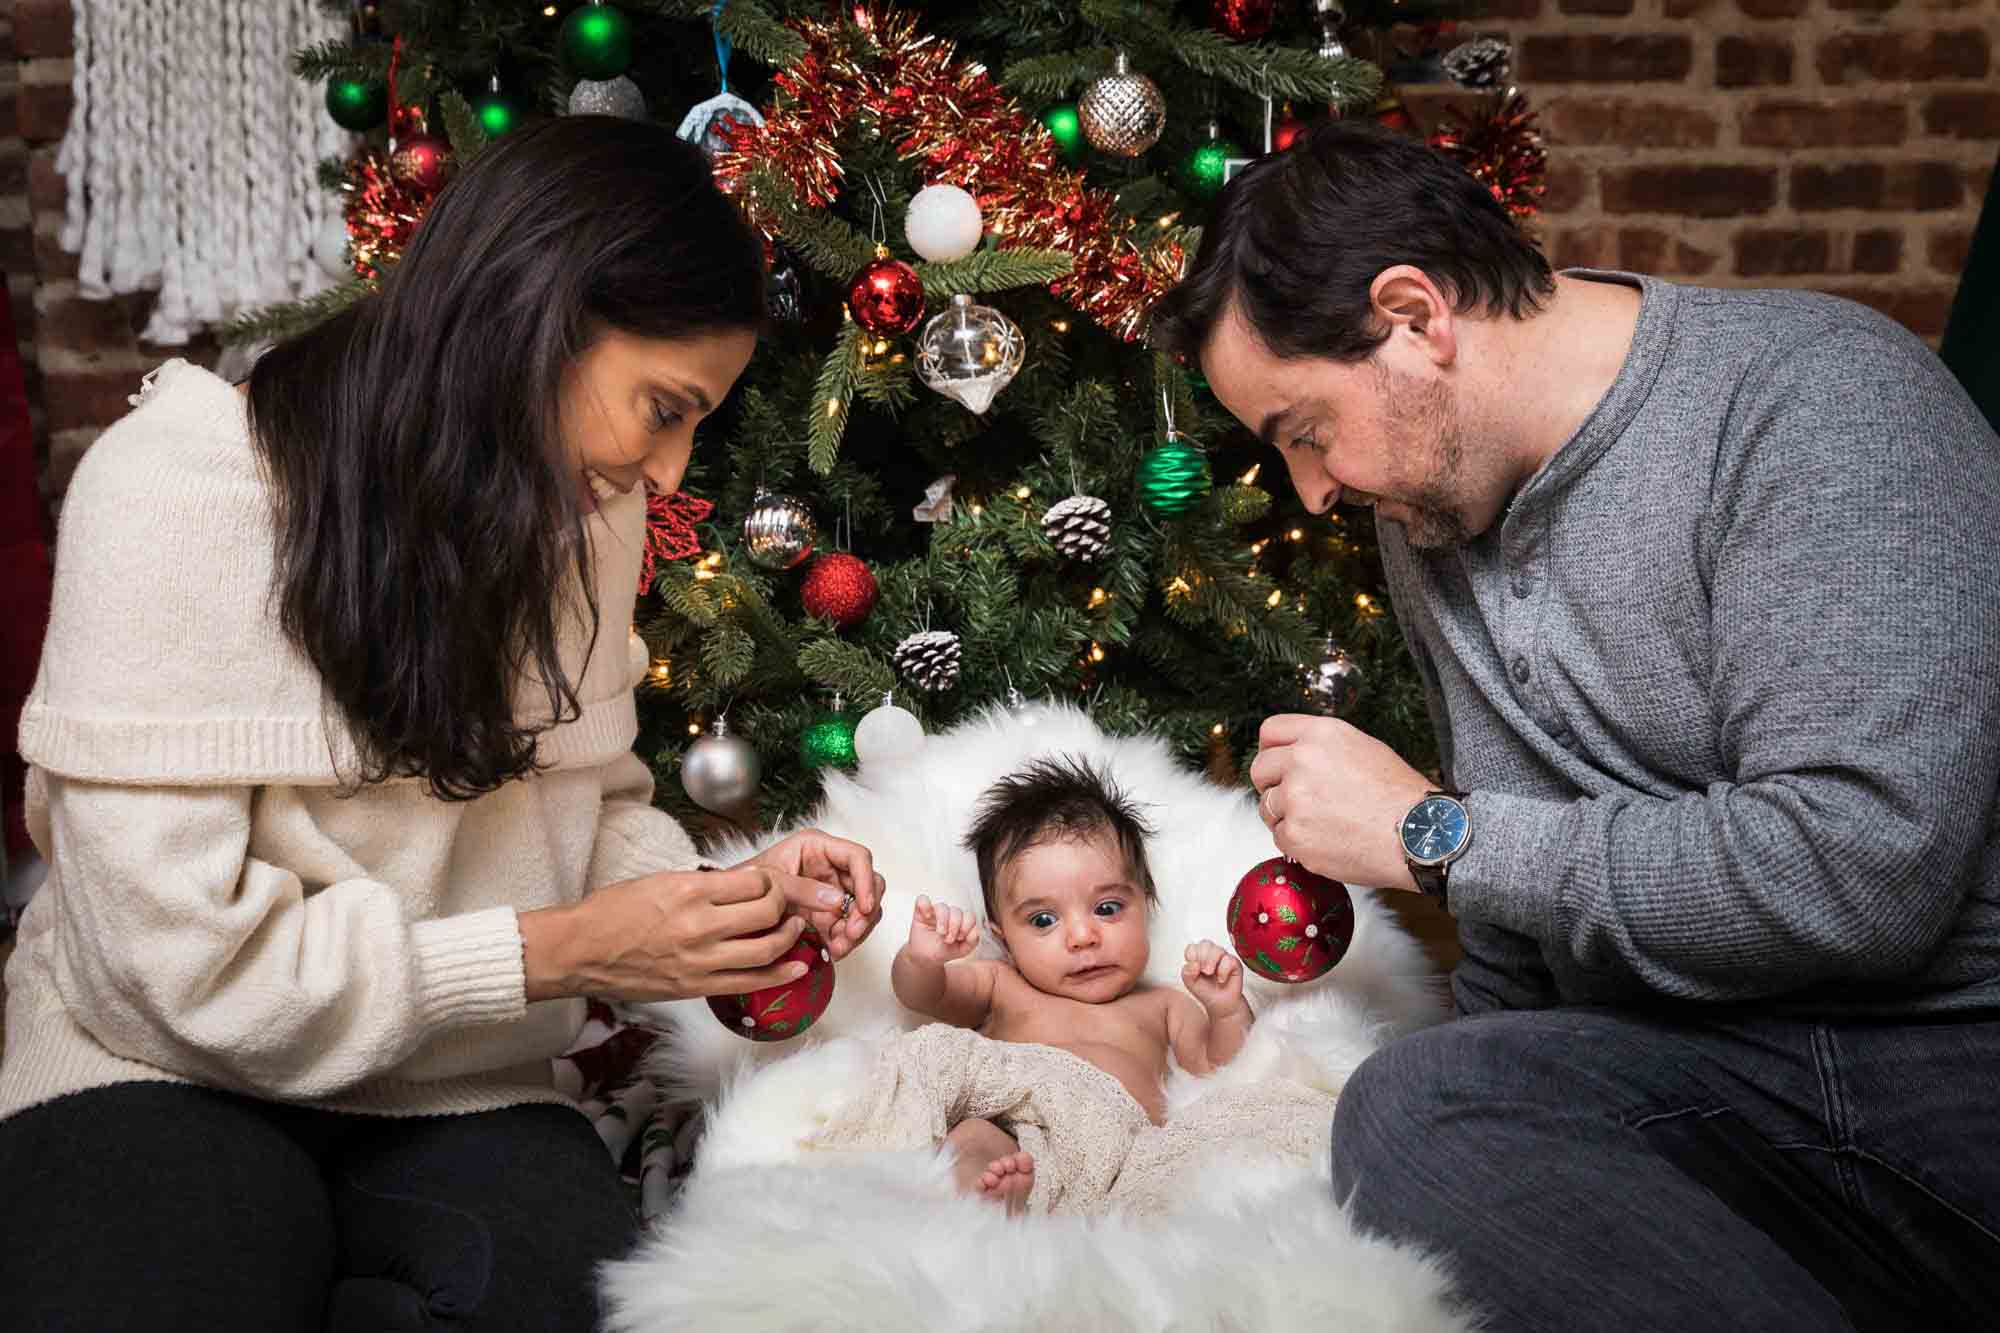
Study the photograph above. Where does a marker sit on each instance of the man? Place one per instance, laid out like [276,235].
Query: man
[1700,586]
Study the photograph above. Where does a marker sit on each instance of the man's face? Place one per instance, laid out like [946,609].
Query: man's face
[1384,432]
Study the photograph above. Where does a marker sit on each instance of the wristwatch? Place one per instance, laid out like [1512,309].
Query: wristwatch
[1434,833]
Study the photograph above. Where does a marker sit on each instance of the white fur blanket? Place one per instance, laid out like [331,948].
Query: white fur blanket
[769,1235]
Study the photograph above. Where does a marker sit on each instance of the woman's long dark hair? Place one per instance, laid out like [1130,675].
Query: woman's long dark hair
[429,537]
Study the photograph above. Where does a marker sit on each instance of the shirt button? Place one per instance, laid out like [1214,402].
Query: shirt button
[1521,670]
[1521,587]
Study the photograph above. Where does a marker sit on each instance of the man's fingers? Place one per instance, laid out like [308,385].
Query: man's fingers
[1268,769]
[1282,729]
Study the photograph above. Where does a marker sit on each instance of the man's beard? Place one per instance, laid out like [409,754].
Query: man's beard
[1426,430]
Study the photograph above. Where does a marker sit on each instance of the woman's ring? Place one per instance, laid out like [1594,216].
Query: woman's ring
[847,905]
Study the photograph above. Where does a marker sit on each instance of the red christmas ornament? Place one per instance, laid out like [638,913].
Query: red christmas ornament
[1390,113]
[887,297]
[1289,924]
[841,588]
[421,162]
[670,533]
[1287,130]
[1242,20]
[407,121]
[778,1012]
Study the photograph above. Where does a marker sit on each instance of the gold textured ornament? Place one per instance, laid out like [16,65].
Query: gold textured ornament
[1122,113]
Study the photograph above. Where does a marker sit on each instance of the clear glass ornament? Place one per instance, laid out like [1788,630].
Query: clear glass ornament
[970,353]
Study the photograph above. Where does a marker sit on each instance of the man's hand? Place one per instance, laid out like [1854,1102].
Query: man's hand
[1332,796]
[838,889]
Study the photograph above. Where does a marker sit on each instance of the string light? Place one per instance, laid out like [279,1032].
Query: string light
[1215,730]
[1257,548]
[1098,596]
[1250,477]
[1023,493]
[977,509]
[1096,652]
[832,408]
[1362,600]
[694,727]
[1179,585]
[1059,325]
[1277,595]
[663,672]
[1296,534]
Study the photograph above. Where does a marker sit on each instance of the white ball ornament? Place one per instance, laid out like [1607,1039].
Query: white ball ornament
[887,735]
[329,247]
[943,223]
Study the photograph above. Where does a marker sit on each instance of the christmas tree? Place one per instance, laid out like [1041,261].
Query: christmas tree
[953,475]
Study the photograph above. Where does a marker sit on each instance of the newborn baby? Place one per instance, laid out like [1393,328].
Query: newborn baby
[1062,867]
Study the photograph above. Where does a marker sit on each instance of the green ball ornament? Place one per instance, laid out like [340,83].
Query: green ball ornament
[1203,172]
[828,741]
[1174,477]
[496,113]
[1065,129]
[357,104]
[597,41]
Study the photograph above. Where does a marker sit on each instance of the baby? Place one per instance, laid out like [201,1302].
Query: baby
[1062,867]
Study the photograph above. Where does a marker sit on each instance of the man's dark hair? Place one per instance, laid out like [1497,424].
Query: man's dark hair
[1058,797]
[1299,236]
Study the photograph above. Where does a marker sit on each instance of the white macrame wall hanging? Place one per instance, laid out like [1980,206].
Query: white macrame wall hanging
[191,157]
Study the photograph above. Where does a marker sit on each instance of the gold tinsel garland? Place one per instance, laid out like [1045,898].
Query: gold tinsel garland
[950,117]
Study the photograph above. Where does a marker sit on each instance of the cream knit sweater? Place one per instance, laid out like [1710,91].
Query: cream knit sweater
[216,911]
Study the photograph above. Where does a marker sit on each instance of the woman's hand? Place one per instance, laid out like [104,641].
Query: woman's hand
[832,881]
[668,936]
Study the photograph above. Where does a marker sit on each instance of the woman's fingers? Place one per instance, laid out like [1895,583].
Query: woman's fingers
[753,951]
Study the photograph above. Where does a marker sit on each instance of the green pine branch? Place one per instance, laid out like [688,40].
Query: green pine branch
[1261,69]
[993,271]
[278,322]
[826,242]
[345,60]
[1051,75]
[833,394]
[748,25]
[468,137]
[727,654]
[848,668]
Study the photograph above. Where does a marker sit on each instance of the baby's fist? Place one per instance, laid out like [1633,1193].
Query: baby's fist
[939,934]
[1212,975]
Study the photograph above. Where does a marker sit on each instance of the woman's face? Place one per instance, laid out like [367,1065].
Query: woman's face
[630,405]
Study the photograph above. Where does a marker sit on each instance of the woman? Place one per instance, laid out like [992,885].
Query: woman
[332,768]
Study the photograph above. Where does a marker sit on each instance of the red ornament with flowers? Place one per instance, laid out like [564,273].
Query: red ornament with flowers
[1289,924]
[780,1012]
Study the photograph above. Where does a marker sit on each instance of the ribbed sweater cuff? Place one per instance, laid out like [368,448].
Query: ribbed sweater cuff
[469,968]
[1507,876]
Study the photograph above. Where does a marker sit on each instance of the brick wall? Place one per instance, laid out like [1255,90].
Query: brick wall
[1842,145]
[1839,145]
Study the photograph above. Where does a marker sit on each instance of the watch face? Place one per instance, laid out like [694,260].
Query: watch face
[1435,830]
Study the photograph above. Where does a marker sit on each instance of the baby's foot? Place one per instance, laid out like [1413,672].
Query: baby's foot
[1008,1179]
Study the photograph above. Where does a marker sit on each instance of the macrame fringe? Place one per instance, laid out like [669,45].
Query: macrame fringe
[191,155]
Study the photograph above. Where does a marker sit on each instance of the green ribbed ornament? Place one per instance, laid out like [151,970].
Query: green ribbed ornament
[597,41]
[1173,477]
[828,741]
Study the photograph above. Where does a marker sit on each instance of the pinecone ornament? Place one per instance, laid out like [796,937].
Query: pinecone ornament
[929,660]
[1079,527]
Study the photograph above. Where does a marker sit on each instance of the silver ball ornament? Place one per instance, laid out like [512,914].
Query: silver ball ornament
[607,97]
[720,772]
[1122,113]
[778,532]
[1331,687]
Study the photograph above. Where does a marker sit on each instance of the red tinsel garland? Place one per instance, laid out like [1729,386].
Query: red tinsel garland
[670,533]
[1504,152]
[948,115]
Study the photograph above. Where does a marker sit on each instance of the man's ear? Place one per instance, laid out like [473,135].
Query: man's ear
[1405,300]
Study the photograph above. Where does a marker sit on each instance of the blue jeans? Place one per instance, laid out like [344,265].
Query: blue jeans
[163,1207]
[1596,1169]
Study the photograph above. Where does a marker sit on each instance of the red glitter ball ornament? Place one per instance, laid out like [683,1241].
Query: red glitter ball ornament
[1289,924]
[841,588]
[887,297]
[407,121]
[421,162]
[1242,20]
[778,1012]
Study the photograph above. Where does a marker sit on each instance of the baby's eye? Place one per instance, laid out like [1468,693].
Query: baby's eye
[1110,907]
[1042,920]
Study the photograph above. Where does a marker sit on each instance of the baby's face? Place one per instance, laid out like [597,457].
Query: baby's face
[1073,919]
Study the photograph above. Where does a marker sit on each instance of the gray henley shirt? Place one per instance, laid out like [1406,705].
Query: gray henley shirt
[1724,682]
